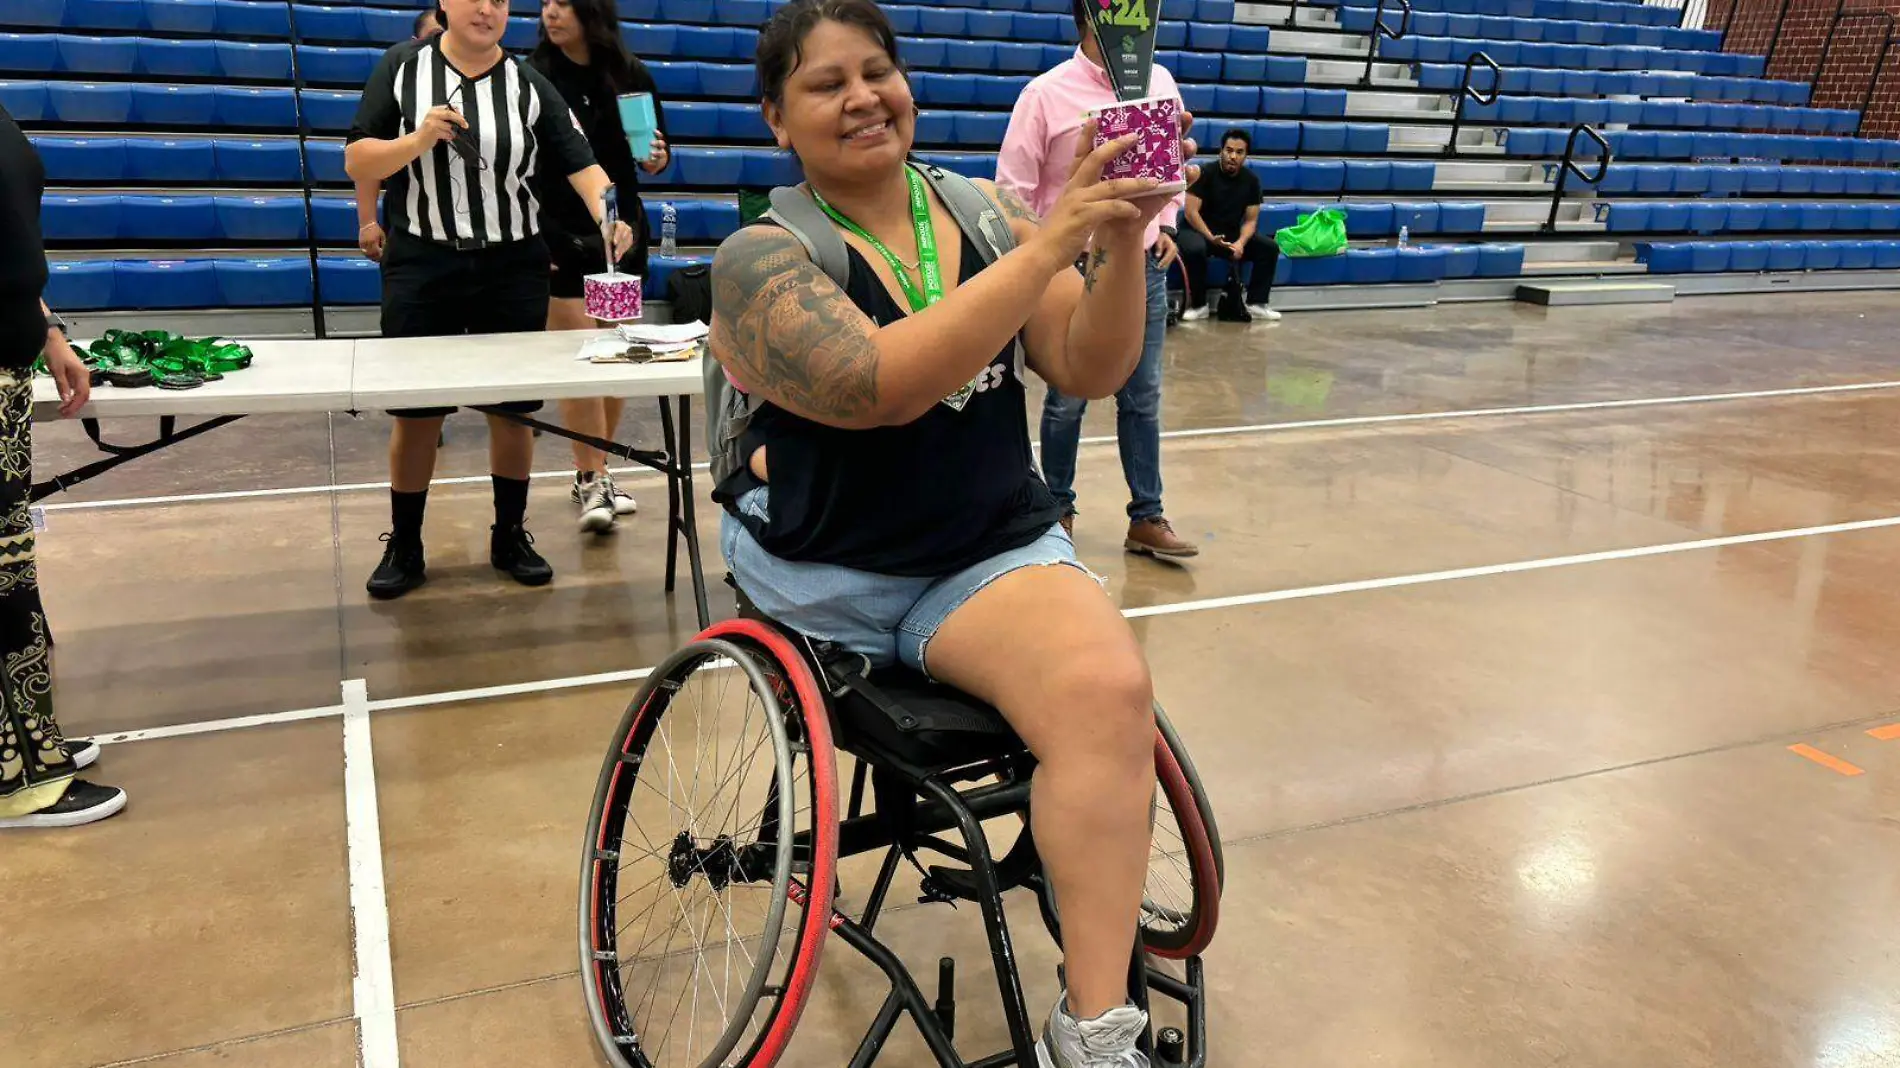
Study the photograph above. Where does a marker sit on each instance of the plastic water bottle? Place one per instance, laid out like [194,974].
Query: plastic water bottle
[669,230]
[1405,237]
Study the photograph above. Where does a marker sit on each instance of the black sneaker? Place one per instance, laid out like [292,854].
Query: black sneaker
[83,752]
[402,569]
[511,549]
[83,803]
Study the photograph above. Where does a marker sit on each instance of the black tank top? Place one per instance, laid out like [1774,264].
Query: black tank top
[926,499]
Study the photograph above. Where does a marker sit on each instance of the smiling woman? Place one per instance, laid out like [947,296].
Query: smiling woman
[890,502]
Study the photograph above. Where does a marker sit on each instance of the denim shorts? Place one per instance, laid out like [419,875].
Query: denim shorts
[886,618]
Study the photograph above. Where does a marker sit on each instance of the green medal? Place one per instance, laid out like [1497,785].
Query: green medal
[929,268]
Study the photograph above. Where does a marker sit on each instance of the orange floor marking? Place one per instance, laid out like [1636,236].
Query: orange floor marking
[1887,733]
[1832,763]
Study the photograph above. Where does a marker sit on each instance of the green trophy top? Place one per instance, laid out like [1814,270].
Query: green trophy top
[1125,32]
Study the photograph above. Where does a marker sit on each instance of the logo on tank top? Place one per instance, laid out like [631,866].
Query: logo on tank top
[991,377]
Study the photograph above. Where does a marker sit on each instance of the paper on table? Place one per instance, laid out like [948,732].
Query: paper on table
[611,348]
[653,334]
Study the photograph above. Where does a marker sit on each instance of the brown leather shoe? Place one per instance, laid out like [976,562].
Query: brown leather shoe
[1156,537]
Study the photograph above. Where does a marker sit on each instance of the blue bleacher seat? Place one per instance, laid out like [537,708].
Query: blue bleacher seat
[104,14]
[1413,176]
[1708,216]
[24,100]
[271,109]
[1887,255]
[1628,217]
[1460,261]
[1317,138]
[1883,218]
[1711,146]
[970,55]
[1363,138]
[257,161]
[1460,218]
[80,54]
[1795,181]
[941,21]
[1365,220]
[1708,257]
[188,59]
[333,219]
[79,218]
[1668,217]
[1857,255]
[1199,67]
[1748,256]
[169,218]
[252,18]
[1443,77]
[936,127]
[1756,180]
[82,159]
[1744,217]
[1778,218]
[1368,176]
[1209,36]
[44,14]
[1324,103]
[1277,101]
[354,280]
[1852,216]
[1817,218]
[1371,266]
[765,168]
[1238,100]
[254,60]
[1016,57]
[1198,99]
[386,27]
[264,283]
[1500,261]
[1313,271]
[674,78]
[331,110]
[1253,40]
[1726,180]
[79,285]
[1239,68]
[1665,257]
[1286,70]
[687,119]
[1786,255]
[653,39]
[139,284]
[162,161]
[325,23]
[1276,175]
[1821,255]
[1416,49]
[86,102]
[981,129]
[260,218]
[326,162]
[173,105]
[1320,176]
[1690,181]
[723,80]
[1054,29]
[709,167]
[1418,218]
[336,66]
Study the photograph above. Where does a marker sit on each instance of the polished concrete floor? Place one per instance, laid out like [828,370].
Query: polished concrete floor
[1475,814]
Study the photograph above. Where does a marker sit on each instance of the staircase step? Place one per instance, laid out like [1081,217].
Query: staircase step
[1580,294]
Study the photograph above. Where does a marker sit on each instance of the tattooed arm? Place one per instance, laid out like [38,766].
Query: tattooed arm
[788,333]
[1086,335]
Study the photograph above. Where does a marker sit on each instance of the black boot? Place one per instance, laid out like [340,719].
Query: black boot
[511,549]
[402,569]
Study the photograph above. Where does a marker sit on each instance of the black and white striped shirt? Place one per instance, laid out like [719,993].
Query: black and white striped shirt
[519,122]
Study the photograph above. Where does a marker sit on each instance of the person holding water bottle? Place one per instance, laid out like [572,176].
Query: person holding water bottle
[609,91]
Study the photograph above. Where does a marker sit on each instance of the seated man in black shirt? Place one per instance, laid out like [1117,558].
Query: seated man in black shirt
[1223,207]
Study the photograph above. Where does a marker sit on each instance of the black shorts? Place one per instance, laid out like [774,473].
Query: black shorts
[431,290]
[578,255]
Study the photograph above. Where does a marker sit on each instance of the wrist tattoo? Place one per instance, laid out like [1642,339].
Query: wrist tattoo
[1098,258]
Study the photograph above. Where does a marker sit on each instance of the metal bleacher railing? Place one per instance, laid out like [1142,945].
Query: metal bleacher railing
[318,323]
[1569,167]
[1467,92]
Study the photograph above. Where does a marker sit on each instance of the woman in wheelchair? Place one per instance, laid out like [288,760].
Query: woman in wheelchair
[890,503]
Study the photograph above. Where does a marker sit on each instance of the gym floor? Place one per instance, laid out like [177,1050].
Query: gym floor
[1495,709]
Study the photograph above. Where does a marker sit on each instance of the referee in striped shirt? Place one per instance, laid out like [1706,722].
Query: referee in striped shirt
[458,132]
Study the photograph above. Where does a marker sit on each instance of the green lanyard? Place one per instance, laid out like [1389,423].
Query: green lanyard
[927,264]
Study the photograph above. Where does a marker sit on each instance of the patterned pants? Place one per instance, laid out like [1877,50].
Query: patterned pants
[34,767]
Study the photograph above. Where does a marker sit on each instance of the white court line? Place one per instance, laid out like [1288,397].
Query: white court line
[1205,432]
[375,985]
[450,697]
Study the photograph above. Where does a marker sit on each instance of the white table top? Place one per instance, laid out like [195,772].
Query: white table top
[286,376]
[379,373]
[494,368]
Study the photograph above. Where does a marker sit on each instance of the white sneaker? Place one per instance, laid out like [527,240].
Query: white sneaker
[1108,1041]
[1195,314]
[83,752]
[596,504]
[623,501]
[1261,311]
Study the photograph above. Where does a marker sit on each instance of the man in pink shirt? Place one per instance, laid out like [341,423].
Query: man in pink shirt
[1038,154]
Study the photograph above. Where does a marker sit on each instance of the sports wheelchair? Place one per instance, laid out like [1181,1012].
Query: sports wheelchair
[717,807]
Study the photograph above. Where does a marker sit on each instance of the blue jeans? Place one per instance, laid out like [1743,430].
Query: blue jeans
[1137,419]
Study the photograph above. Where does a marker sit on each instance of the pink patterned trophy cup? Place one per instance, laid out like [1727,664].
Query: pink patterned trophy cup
[1124,30]
[612,297]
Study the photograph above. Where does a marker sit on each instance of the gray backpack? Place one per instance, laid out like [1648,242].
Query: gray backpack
[728,410]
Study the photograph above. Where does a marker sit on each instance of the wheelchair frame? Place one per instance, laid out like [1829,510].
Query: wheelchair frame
[932,804]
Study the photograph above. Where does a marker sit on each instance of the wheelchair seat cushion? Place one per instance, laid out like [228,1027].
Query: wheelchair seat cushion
[904,721]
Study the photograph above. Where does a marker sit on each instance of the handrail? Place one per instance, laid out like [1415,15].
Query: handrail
[1569,167]
[1379,29]
[1292,13]
[303,171]
[1466,92]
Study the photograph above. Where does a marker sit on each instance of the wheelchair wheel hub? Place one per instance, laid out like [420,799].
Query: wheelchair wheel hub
[719,864]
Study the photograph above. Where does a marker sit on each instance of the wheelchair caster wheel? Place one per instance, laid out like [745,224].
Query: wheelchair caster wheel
[1170,1047]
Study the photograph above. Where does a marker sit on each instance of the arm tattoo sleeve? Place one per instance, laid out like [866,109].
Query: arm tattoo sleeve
[786,330]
